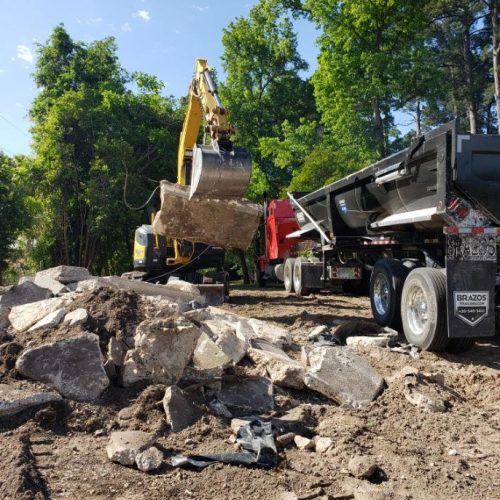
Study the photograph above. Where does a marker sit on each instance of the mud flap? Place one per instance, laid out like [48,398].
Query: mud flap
[226,223]
[471,261]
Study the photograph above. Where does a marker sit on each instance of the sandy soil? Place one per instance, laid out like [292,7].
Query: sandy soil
[59,452]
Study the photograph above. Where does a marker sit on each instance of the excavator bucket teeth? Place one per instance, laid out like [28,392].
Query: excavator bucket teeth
[227,223]
[220,174]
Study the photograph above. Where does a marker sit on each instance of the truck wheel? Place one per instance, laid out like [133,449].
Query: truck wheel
[456,346]
[423,309]
[288,275]
[386,284]
[300,290]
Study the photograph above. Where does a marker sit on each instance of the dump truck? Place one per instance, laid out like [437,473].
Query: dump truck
[418,231]
[204,212]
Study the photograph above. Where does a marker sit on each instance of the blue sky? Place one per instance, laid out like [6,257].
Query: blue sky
[161,37]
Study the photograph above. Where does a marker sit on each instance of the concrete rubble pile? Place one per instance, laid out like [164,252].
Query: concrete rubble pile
[206,360]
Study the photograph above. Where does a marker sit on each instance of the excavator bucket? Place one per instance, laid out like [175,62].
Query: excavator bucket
[220,174]
[226,223]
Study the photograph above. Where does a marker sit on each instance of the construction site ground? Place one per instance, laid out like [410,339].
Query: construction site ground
[453,454]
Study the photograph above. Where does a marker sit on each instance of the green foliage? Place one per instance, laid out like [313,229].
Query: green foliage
[92,133]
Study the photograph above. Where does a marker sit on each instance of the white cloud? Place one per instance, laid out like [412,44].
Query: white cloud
[143,14]
[24,53]
[200,8]
[126,27]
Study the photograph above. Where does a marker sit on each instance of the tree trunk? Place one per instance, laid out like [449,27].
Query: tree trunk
[494,6]
[244,267]
[418,116]
[469,75]
[378,127]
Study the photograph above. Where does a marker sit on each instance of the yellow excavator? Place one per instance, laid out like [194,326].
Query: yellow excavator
[204,212]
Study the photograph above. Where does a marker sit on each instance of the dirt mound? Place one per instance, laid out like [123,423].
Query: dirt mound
[19,475]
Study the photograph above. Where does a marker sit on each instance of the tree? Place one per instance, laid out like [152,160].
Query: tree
[263,87]
[92,135]
[11,210]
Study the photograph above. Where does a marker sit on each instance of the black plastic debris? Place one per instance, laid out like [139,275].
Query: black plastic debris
[326,339]
[255,438]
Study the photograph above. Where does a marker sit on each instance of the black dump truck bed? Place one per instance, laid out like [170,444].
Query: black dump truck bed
[442,179]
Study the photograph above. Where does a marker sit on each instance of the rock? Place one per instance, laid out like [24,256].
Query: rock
[23,316]
[303,443]
[219,409]
[363,341]
[124,446]
[270,332]
[181,412]
[126,413]
[163,348]
[77,317]
[236,423]
[150,459]
[26,293]
[64,274]
[298,420]
[208,355]
[282,370]
[322,443]
[285,439]
[4,317]
[73,367]
[110,369]
[343,376]
[51,284]
[116,351]
[227,339]
[24,279]
[251,396]
[193,375]
[183,286]
[15,398]
[52,319]
[317,330]
[362,467]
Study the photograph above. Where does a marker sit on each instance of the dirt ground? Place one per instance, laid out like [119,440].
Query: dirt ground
[59,452]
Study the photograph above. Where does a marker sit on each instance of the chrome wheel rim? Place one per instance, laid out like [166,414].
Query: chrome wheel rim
[381,294]
[417,310]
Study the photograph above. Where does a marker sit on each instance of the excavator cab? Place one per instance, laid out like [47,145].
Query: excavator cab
[207,205]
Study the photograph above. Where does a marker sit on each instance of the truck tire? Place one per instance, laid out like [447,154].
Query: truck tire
[300,290]
[423,309]
[288,275]
[386,285]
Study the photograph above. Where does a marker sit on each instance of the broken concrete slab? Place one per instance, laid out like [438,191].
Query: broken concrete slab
[303,443]
[149,460]
[180,411]
[207,355]
[317,330]
[250,397]
[77,317]
[52,319]
[163,348]
[183,286]
[74,367]
[24,279]
[342,375]
[281,368]
[26,315]
[322,444]
[15,398]
[25,293]
[226,338]
[117,351]
[231,223]
[51,284]
[64,274]
[124,446]
[369,341]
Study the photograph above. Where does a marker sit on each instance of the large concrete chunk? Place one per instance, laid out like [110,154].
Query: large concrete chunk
[248,396]
[150,459]
[219,222]
[77,317]
[25,293]
[22,317]
[124,446]
[281,368]
[180,411]
[64,274]
[208,355]
[73,367]
[4,316]
[51,284]
[163,348]
[342,375]
[49,321]
[15,398]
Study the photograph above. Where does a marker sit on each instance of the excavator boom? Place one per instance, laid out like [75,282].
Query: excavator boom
[206,205]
